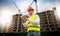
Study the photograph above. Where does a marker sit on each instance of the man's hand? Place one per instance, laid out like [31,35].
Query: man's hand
[26,18]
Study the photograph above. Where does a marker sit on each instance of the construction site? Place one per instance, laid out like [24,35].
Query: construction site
[49,21]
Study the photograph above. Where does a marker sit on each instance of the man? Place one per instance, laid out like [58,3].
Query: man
[33,23]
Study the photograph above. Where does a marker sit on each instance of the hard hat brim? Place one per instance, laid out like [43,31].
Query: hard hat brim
[30,10]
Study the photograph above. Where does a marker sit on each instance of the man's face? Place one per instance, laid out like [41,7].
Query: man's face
[30,12]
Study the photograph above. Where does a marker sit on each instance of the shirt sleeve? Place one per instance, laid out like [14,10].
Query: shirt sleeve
[24,24]
[37,21]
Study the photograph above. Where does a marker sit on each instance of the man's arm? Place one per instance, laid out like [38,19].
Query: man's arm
[37,21]
[25,24]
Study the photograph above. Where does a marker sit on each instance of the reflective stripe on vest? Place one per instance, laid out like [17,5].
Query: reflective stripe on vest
[34,26]
[30,26]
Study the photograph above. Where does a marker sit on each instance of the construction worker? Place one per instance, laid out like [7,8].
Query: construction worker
[33,23]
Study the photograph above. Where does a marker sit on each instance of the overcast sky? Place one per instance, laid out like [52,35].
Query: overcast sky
[23,4]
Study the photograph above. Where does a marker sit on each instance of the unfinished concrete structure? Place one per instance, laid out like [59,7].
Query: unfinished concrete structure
[17,25]
[49,20]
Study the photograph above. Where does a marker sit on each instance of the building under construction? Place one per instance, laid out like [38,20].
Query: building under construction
[17,25]
[49,20]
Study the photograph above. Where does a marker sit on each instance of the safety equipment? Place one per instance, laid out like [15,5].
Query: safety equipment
[30,9]
[32,27]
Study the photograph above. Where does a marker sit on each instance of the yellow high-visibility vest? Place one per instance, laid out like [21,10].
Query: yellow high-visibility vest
[30,26]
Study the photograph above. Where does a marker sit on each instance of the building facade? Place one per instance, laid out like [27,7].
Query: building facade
[49,20]
[17,25]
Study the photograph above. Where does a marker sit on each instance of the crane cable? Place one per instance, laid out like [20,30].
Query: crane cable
[18,7]
[35,5]
[29,5]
